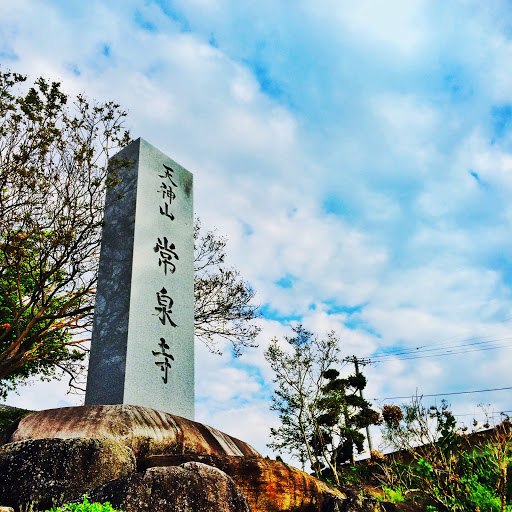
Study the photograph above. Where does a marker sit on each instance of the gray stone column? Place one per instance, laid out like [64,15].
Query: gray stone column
[142,348]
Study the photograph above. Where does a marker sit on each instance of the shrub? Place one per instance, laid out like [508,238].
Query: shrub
[85,506]
[456,471]
[392,495]
[9,415]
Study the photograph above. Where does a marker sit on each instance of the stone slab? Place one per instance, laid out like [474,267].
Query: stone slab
[142,348]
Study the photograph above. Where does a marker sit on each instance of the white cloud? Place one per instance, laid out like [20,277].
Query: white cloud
[398,25]
[384,107]
[36,395]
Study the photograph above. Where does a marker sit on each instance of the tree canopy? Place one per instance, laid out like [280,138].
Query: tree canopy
[321,413]
[223,304]
[53,177]
[55,167]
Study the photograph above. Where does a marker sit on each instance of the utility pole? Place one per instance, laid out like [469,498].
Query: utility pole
[364,362]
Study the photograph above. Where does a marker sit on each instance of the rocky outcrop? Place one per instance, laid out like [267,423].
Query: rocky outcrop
[268,485]
[140,459]
[191,487]
[48,471]
[360,503]
[146,431]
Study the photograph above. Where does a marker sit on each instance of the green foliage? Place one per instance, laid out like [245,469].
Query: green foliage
[321,412]
[455,470]
[53,178]
[55,169]
[340,415]
[9,415]
[85,506]
[56,349]
[391,495]
[298,364]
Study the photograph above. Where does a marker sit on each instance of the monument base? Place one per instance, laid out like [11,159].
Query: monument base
[162,463]
[131,426]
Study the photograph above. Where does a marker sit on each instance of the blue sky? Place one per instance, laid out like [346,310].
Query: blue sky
[357,157]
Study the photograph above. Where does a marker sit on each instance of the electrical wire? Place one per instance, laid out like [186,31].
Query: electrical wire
[491,415]
[427,350]
[446,347]
[457,350]
[444,394]
[442,349]
[447,341]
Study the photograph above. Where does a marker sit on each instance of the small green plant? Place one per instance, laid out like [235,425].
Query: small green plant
[392,495]
[347,474]
[85,506]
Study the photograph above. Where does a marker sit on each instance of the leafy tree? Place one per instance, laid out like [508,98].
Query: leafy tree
[341,414]
[53,177]
[298,366]
[320,413]
[222,299]
[55,168]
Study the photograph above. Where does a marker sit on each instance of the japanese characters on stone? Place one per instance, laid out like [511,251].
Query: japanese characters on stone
[167,258]
[165,365]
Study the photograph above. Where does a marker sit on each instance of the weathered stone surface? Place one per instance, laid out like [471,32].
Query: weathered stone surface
[122,367]
[191,487]
[146,431]
[46,472]
[161,443]
[268,485]
[361,503]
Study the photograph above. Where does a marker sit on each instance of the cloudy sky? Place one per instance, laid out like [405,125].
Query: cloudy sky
[358,156]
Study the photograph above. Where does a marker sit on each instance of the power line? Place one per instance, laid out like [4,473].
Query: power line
[446,394]
[426,351]
[428,348]
[491,415]
[446,341]
[400,351]
[445,347]
[457,350]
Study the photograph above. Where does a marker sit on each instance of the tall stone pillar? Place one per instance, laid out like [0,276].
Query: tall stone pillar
[142,348]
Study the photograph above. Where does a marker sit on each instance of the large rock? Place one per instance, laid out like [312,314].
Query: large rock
[47,472]
[360,503]
[268,485]
[162,443]
[146,431]
[191,487]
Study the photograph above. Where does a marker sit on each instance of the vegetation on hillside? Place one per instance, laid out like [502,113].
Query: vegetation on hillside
[85,506]
[454,468]
[9,415]
[434,464]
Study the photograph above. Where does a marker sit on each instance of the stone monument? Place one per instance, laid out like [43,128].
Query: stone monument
[142,347]
[135,444]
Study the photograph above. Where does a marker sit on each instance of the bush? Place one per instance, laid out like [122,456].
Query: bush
[392,495]
[85,506]
[456,471]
